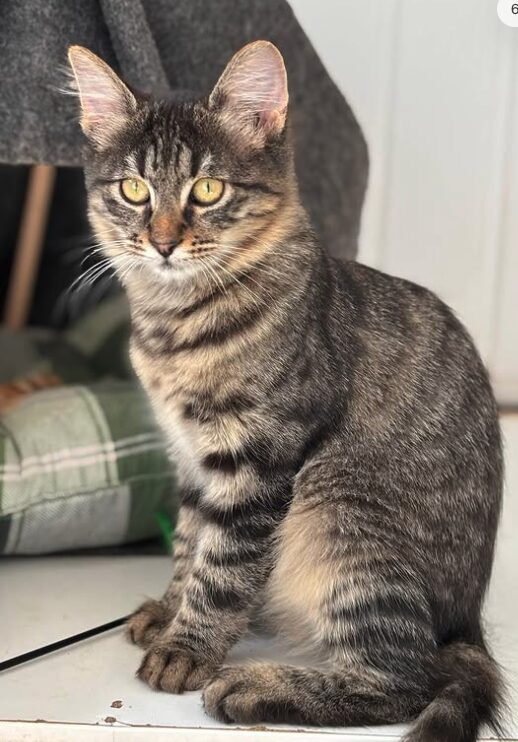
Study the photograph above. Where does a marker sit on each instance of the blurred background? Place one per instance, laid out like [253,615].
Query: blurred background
[435,88]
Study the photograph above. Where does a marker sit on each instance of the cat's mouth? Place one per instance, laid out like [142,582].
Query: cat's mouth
[167,267]
[196,263]
[174,267]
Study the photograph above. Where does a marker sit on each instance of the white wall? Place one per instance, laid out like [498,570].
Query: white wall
[434,84]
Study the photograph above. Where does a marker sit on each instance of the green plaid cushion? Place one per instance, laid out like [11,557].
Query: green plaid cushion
[80,465]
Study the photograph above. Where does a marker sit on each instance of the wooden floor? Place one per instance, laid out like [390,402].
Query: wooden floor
[70,695]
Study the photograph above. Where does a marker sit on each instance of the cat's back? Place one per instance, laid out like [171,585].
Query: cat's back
[381,299]
[416,370]
[396,318]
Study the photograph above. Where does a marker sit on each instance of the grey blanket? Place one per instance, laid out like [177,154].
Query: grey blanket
[177,47]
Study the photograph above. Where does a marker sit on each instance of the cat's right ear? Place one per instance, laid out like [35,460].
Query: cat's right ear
[106,103]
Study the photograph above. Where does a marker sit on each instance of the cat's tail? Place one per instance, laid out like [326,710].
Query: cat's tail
[469,692]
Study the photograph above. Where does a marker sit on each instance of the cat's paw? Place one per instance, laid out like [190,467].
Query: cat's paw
[244,694]
[144,626]
[174,669]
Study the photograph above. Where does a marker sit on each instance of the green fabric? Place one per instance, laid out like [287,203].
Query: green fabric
[82,464]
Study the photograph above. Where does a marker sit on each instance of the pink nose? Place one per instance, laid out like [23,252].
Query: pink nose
[165,248]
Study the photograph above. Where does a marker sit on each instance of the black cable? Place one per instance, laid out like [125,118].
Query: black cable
[48,648]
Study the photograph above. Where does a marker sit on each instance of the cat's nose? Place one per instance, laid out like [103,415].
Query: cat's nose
[165,248]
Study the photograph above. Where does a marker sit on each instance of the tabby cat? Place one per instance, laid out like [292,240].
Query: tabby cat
[334,430]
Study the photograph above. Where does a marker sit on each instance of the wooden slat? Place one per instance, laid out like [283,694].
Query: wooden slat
[29,245]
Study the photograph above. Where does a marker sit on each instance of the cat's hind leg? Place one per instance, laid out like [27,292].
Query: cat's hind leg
[349,581]
[339,588]
[467,692]
[267,692]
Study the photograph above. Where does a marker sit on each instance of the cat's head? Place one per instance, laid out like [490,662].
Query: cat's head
[182,190]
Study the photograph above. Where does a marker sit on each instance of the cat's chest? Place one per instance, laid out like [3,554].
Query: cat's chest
[170,370]
[182,389]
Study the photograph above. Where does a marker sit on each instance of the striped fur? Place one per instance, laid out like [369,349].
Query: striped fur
[334,428]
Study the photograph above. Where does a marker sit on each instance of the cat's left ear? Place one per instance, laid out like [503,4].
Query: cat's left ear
[252,92]
[106,103]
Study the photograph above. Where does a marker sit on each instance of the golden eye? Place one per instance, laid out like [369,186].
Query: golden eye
[135,190]
[207,191]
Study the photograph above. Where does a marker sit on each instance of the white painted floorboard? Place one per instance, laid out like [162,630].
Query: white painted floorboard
[68,696]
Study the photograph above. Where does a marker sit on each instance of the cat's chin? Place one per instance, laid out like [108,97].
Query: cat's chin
[173,272]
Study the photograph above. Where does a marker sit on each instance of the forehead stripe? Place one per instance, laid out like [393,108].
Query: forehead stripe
[195,163]
[130,162]
[177,152]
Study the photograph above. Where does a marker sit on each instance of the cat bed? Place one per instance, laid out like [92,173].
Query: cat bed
[82,464]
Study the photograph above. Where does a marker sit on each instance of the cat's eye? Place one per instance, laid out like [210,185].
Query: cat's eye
[135,190]
[207,191]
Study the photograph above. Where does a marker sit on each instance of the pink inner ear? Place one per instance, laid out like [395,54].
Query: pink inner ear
[272,121]
[254,84]
[105,100]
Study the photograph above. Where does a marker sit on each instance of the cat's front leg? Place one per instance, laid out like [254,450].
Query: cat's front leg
[232,562]
[150,619]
